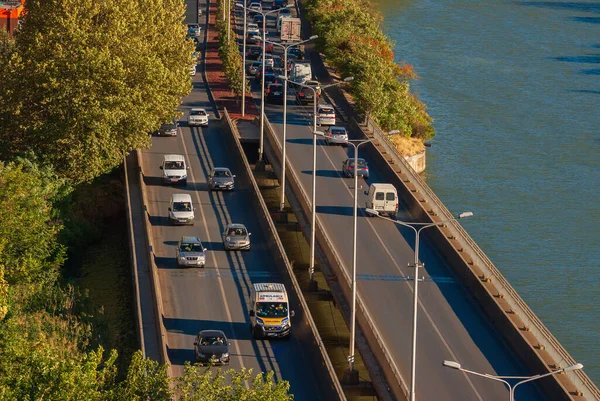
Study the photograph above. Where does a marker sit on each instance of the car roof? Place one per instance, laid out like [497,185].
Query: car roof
[191,240]
[235,225]
[173,158]
[198,109]
[211,333]
[181,198]
[337,127]
[360,159]
[383,186]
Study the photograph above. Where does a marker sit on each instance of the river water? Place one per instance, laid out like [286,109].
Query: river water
[514,88]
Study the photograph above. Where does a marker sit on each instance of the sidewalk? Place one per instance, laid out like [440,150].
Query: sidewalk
[216,78]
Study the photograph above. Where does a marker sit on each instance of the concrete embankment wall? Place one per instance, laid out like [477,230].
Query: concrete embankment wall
[304,328]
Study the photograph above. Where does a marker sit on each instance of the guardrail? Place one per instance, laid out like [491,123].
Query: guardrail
[134,265]
[308,330]
[158,305]
[328,254]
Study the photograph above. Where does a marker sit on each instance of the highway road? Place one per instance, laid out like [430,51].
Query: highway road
[215,297]
[451,325]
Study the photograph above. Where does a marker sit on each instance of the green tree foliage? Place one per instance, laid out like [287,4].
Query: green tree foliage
[29,250]
[146,380]
[353,43]
[87,80]
[229,52]
[200,384]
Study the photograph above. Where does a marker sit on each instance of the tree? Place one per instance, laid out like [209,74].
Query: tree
[146,380]
[87,80]
[200,384]
[29,249]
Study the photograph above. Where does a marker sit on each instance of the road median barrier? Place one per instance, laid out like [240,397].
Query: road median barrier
[305,329]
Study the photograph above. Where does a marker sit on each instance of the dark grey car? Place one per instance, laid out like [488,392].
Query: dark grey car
[168,129]
[236,236]
[221,178]
[211,347]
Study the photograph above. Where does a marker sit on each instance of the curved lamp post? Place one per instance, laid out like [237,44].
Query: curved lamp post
[311,271]
[285,50]
[417,264]
[503,379]
[351,376]
[262,91]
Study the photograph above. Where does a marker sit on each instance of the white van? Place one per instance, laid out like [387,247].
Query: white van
[181,210]
[382,198]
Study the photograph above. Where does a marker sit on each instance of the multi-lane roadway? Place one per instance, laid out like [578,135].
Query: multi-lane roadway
[451,325]
[215,297]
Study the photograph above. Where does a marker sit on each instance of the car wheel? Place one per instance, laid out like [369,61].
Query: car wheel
[366,177]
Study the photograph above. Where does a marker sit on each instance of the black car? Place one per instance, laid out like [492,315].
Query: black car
[271,78]
[258,19]
[306,95]
[168,129]
[297,53]
[254,52]
[277,4]
[211,347]
[275,93]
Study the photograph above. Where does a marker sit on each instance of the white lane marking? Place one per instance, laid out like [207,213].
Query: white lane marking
[214,258]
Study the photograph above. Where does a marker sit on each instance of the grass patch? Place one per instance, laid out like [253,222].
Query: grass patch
[328,318]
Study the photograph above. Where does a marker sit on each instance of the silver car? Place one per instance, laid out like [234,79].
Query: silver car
[221,178]
[337,136]
[191,252]
[236,236]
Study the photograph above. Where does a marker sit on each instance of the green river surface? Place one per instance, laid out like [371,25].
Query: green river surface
[514,88]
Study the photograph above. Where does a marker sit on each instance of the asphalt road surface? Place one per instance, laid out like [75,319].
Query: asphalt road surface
[215,297]
[451,326]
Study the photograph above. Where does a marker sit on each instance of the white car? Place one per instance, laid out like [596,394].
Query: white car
[269,61]
[181,210]
[325,115]
[198,117]
[255,8]
[337,136]
[252,29]
[174,170]
[193,70]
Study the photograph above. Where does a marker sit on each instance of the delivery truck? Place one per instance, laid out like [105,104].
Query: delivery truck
[290,29]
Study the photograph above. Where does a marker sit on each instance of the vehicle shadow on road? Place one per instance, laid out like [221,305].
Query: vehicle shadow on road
[233,330]
[339,210]
[163,262]
[158,221]
[152,181]
[302,141]
[325,173]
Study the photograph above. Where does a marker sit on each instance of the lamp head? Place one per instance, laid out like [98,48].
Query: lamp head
[372,211]
[394,131]
[348,79]
[240,5]
[313,37]
[452,364]
[577,366]
[282,77]
[318,133]
[465,214]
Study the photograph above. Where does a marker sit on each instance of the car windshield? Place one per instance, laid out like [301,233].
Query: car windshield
[182,207]
[193,26]
[326,110]
[197,113]
[338,131]
[361,163]
[212,340]
[174,165]
[193,247]
[168,126]
[236,231]
[222,173]
[271,309]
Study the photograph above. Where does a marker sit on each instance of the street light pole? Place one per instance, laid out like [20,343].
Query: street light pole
[285,50]
[504,379]
[312,285]
[262,91]
[244,65]
[351,375]
[417,264]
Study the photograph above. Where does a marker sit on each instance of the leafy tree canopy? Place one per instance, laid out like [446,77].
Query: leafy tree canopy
[87,80]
